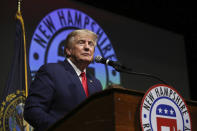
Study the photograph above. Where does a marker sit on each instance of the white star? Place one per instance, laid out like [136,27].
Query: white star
[166,111]
[171,112]
[160,110]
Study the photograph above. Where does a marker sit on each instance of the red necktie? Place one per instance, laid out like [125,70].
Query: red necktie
[84,83]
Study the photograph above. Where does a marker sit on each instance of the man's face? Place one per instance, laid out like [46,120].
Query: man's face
[82,49]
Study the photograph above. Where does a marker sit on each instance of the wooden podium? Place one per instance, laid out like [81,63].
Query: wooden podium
[114,109]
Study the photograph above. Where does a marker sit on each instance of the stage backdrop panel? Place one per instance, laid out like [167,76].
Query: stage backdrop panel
[140,46]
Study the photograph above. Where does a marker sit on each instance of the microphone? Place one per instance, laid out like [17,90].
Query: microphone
[114,64]
[120,68]
[99,59]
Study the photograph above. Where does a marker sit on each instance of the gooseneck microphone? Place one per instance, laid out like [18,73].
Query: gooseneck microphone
[99,59]
[102,60]
[120,68]
[114,64]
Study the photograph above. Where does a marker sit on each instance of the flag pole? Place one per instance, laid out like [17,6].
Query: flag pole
[19,16]
[19,5]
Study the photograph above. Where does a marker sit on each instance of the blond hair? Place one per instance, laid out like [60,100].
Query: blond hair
[70,38]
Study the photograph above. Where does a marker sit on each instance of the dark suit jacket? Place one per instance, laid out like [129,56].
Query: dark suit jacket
[55,91]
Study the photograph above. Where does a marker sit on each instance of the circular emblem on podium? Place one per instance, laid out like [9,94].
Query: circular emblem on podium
[163,109]
[47,44]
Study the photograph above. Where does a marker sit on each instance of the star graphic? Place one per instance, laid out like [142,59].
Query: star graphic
[166,111]
[171,112]
[160,110]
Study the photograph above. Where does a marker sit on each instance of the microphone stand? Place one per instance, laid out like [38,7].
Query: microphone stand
[121,68]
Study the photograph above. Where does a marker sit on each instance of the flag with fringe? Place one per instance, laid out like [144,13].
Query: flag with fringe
[16,89]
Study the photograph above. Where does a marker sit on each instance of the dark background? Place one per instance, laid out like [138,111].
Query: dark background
[178,18]
[175,16]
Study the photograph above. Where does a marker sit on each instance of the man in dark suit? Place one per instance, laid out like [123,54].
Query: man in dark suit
[60,87]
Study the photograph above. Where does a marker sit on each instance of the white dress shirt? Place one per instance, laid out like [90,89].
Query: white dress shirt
[76,69]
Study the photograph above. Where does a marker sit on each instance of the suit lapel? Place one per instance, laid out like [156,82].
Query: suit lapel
[79,88]
[91,86]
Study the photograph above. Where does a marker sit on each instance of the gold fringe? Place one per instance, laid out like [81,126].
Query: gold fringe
[20,18]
